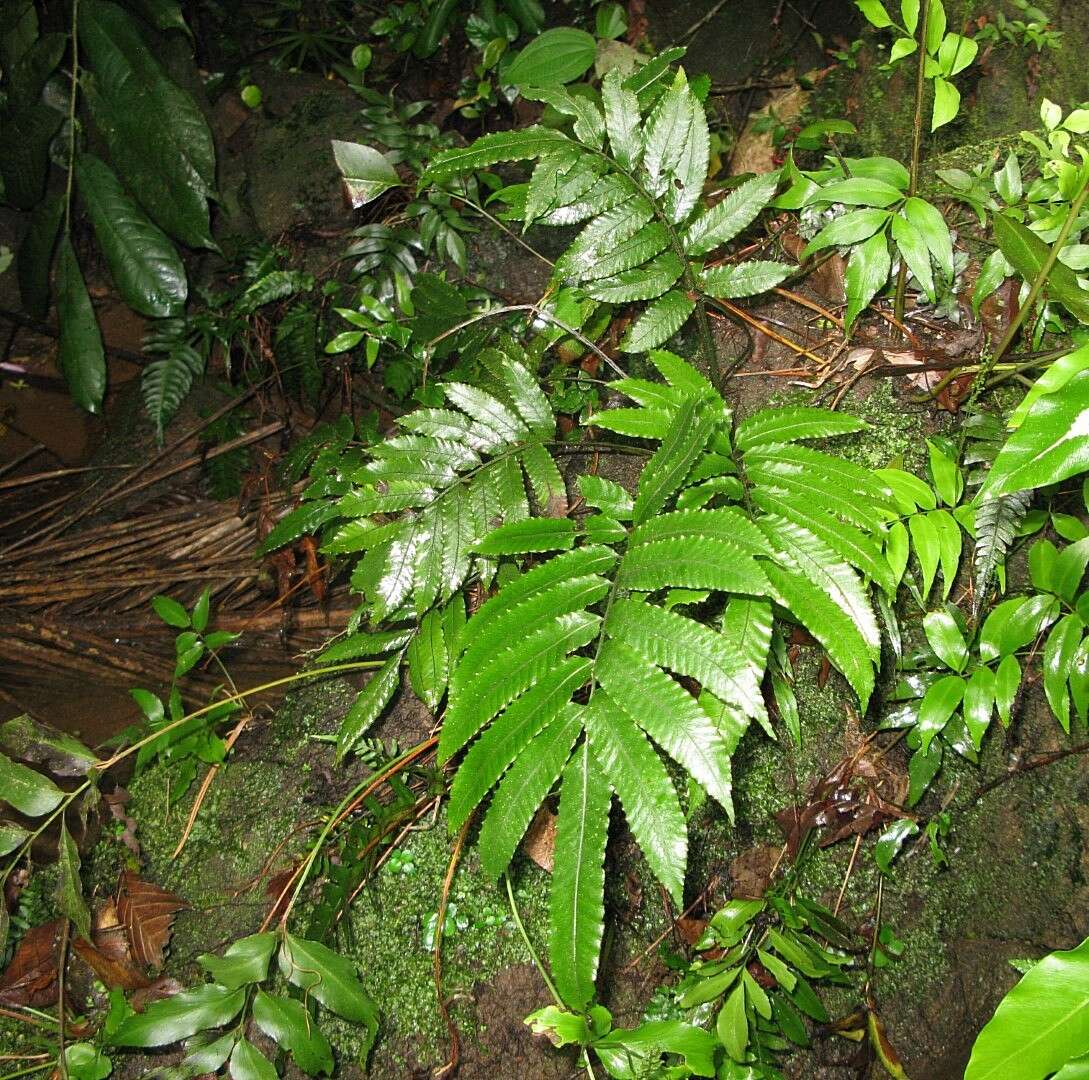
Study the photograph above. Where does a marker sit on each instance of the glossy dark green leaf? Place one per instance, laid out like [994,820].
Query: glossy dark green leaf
[1027,253]
[288,1022]
[26,790]
[732,1024]
[941,700]
[248,1063]
[867,272]
[35,257]
[945,639]
[368,705]
[175,1018]
[245,961]
[144,264]
[82,357]
[24,164]
[329,977]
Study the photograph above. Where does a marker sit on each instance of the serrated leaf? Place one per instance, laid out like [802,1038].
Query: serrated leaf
[646,283]
[524,788]
[612,226]
[635,772]
[368,705]
[524,144]
[686,647]
[661,320]
[501,744]
[166,383]
[697,562]
[622,120]
[578,880]
[825,620]
[689,432]
[428,660]
[745,279]
[794,424]
[729,218]
[685,189]
[669,715]
[533,534]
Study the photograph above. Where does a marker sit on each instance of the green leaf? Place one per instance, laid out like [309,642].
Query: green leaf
[696,562]
[175,1018]
[645,283]
[24,166]
[745,279]
[935,26]
[946,639]
[940,701]
[171,612]
[1027,253]
[848,229]
[867,272]
[35,257]
[1059,654]
[665,135]
[248,1063]
[858,191]
[606,495]
[533,534]
[931,225]
[524,788]
[245,961]
[875,13]
[732,1024]
[82,358]
[522,144]
[1040,1024]
[366,172]
[557,56]
[578,880]
[503,742]
[1012,624]
[659,322]
[27,791]
[288,1022]
[144,264]
[946,103]
[845,645]
[621,1048]
[729,218]
[916,254]
[792,425]
[890,843]
[688,648]
[157,136]
[368,705]
[955,53]
[1051,444]
[636,773]
[902,47]
[84,1061]
[11,837]
[70,901]
[428,660]
[622,120]
[689,432]
[329,977]
[1006,684]
[669,715]
[166,383]
[924,539]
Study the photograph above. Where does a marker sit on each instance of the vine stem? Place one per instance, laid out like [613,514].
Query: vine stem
[72,96]
[529,945]
[1045,271]
[916,145]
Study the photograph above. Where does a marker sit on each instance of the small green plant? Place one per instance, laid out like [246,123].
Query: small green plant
[1033,29]
[944,55]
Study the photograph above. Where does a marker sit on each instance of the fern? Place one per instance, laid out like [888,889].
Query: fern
[166,382]
[646,229]
[583,668]
[571,670]
[996,523]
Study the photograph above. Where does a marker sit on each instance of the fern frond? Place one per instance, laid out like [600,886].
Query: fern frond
[661,320]
[825,620]
[166,383]
[669,715]
[578,881]
[622,120]
[745,279]
[996,525]
[646,283]
[729,218]
[636,773]
[523,789]
[491,755]
[525,144]
[692,562]
[792,425]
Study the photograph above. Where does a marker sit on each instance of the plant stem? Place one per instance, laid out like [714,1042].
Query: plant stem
[529,945]
[916,145]
[72,96]
[1045,271]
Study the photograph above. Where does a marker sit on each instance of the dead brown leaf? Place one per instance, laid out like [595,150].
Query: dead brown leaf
[31,977]
[540,841]
[147,912]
